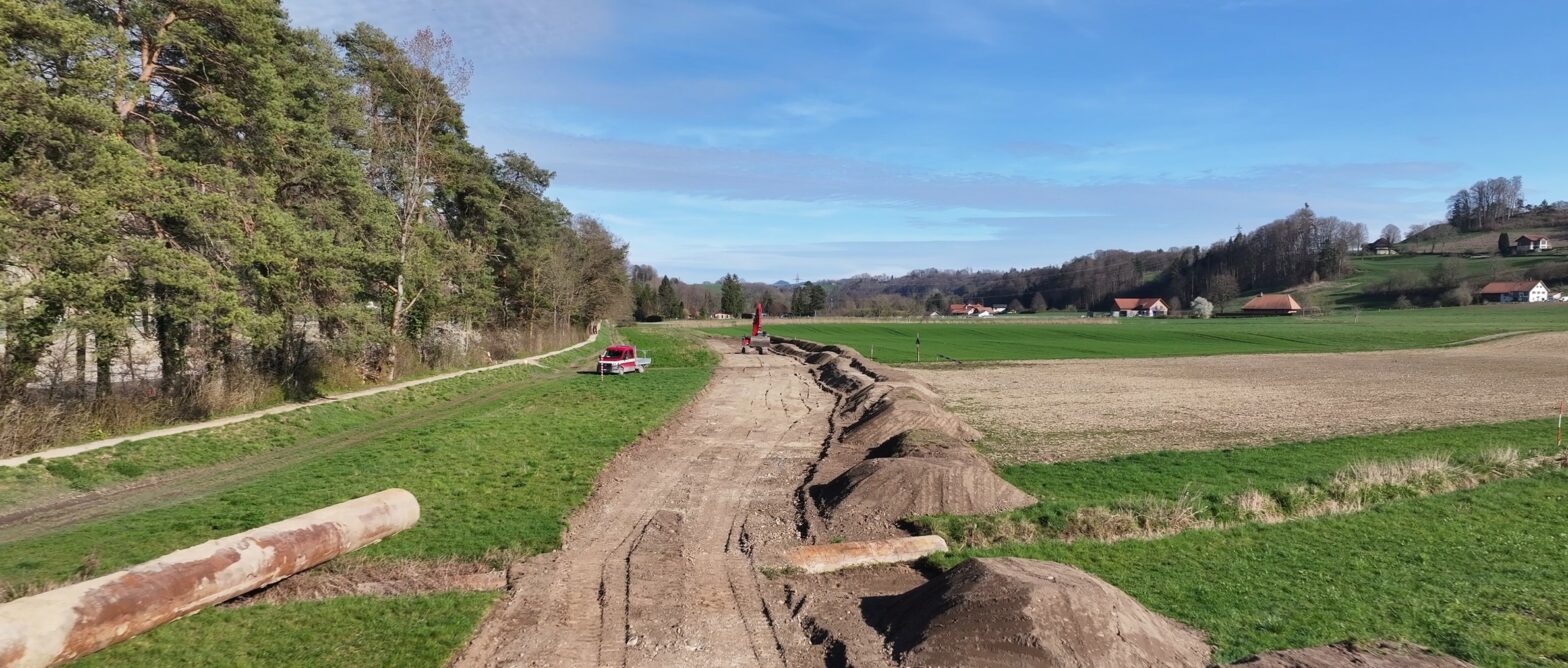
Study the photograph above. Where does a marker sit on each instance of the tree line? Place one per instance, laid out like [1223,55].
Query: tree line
[1302,247]
[259,198]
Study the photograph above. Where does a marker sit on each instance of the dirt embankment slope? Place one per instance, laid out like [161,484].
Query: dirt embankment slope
[1086,409]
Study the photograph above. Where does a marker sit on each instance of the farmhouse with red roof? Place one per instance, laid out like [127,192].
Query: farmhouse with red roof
[1514,291]
[1146,307]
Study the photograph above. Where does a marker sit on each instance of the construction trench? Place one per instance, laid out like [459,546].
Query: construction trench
[718,541]
[757,527]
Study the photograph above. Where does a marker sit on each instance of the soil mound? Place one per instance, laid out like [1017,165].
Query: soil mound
[878,492]
[930,445]
[788,349]
[1016,612]
[1382,654]
[817,358]
[894,416]
[842,376]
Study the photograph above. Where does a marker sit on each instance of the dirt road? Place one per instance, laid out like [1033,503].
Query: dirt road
[1086,409]
[661,567]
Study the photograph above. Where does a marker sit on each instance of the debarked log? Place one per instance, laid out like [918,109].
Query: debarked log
[837,556]
[65,623]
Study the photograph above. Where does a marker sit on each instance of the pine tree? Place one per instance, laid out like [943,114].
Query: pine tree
[731,297]
[670,304]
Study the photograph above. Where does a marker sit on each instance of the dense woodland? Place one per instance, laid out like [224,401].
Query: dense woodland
[266,202]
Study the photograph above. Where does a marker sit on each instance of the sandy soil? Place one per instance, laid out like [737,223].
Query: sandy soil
[1052,411]
[662,566]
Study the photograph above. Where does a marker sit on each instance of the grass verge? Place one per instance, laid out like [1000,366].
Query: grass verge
[316,426]
[1474,573]
[352,631]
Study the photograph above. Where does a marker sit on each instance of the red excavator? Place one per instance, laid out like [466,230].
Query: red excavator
[759,338]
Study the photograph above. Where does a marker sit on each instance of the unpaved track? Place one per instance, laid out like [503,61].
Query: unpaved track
[660,567]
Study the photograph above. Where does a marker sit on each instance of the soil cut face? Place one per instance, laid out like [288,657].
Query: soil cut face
[1050,411]
[662,566]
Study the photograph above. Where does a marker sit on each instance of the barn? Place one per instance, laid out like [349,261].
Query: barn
[1507,292]
[1272,305]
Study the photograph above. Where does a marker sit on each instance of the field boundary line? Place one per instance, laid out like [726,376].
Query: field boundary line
[1488,338]
[69,450]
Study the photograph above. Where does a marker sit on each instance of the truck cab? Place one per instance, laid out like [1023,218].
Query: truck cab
[622,359]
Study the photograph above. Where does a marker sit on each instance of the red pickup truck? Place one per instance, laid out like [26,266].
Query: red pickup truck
[622,359]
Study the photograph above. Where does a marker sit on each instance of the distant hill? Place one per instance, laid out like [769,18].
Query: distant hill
[1379,281]
[1549,220]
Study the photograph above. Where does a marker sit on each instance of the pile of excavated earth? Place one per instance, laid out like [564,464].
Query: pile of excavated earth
[898,452]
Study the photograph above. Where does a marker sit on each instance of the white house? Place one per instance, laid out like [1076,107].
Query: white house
[1507,292]
[1532,243]
[1128,307]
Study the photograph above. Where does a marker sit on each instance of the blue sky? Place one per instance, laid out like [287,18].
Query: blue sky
[826,139]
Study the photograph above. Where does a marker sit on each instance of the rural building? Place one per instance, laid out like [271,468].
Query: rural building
[1532,243]
[1507,292]
[1382,247]
[1272,305]
[1144,307]
[722,316]
[968,309]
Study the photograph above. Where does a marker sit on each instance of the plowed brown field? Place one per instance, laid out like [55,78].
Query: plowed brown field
[1087,409]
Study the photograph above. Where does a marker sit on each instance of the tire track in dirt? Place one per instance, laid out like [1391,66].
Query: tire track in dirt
[169,488]
[660,566]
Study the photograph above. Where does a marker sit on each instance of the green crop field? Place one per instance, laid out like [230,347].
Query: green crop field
[971,340]
[497,460]
[1474,573]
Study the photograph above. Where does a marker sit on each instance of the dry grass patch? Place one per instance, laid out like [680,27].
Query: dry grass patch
[380,577]
[1353,488]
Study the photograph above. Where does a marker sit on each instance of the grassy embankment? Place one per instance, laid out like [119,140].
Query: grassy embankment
[1474,573]
[497,461]
[1141,337]
[1364,288]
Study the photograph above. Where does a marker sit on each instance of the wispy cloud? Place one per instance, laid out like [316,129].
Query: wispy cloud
[882,135]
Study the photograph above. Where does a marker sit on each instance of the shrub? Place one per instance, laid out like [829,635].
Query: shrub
[1459,296]
[1202,308]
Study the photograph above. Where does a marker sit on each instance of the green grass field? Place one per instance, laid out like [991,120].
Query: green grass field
[497,461]
[1213,476]
[1475,573]
[969,340]
[412,631]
